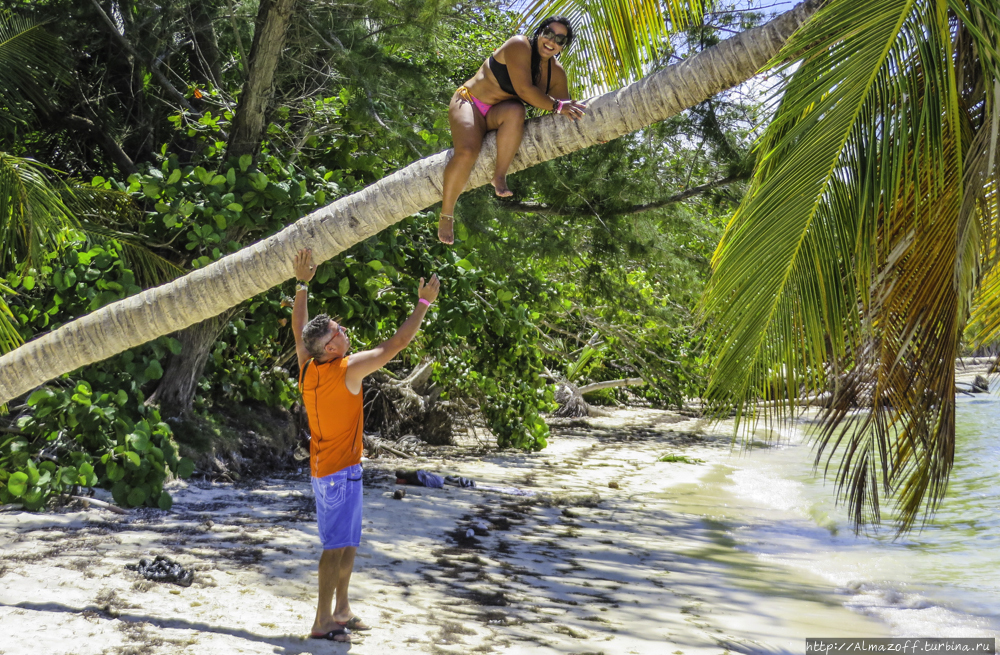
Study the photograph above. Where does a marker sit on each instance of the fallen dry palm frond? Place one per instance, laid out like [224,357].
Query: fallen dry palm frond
[851,265]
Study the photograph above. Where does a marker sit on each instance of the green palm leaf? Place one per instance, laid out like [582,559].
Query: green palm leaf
[40,214]
[9,336]
[31,62]
[33,213]
[615,40]
[851,265]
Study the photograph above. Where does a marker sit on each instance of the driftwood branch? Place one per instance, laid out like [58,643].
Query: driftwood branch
[609,384]
[373,444]
[100,503]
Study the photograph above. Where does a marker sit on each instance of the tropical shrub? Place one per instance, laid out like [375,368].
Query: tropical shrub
[89,428]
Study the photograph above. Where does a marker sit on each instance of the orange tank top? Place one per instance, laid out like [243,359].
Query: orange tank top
[336,417]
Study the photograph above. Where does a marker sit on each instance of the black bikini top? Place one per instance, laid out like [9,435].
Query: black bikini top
[503,77]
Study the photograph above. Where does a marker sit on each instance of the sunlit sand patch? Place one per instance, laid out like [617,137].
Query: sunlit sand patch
[615,552]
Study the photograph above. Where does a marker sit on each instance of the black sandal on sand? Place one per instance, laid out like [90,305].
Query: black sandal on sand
[355,623]
[333,634]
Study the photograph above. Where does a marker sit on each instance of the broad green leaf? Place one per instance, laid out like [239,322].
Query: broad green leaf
[154,371]
[185,468]
[38,396]
[17,484]
[120,492]
[139,441]
[88,478]
[136,497]
[68,476]
[115,471]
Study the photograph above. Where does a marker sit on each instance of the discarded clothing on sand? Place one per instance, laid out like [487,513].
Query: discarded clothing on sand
[422,478]
[163,569]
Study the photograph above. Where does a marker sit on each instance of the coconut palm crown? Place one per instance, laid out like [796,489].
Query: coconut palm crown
[868,237]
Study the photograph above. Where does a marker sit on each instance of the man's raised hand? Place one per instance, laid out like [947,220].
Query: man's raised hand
[304,269]
[429,291]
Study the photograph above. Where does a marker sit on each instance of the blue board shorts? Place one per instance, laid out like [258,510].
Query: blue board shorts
[338,507]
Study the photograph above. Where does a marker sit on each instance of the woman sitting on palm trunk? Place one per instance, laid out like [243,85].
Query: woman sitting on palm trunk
[521,71]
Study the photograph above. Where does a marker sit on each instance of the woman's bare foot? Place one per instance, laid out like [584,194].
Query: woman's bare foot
[500,184]
[446,229]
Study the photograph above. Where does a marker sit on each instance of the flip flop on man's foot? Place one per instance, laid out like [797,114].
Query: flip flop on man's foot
[355,623]
[446,229]
[342,635]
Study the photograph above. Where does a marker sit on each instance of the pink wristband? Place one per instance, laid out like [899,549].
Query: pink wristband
[559,105]
[425,301]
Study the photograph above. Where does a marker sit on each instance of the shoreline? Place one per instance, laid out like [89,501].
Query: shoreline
[577,567]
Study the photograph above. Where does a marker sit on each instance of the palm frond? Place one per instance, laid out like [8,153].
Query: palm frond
[33,215]
[616,40]
[851,265]
[9,336]
[39,213]
[31,61]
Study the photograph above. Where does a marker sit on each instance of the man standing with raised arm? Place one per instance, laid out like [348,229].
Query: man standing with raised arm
[330,381]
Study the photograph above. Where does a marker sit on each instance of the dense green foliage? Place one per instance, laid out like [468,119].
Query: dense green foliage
[91,428]
[582,281]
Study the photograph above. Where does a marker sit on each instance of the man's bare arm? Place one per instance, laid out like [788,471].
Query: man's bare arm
[304,271]
[365,363]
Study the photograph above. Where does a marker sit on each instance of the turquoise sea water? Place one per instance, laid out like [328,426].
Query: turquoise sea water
[943,580]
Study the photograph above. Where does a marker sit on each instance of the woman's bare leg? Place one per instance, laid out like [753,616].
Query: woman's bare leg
[507,118]
[467,129]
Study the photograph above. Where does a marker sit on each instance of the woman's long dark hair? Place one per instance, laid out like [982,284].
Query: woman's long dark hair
[536,57]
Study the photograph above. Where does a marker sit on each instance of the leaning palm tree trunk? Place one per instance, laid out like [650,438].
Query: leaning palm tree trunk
[210,291]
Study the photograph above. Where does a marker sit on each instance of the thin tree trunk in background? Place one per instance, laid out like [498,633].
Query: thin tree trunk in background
[265,53]
[175,393]
[211,290]
[206,44]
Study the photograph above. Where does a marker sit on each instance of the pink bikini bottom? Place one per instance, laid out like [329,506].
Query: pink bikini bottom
[463,93]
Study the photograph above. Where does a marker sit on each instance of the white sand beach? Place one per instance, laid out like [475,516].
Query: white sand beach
[579,566]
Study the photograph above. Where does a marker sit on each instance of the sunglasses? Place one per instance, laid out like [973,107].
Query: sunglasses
[560,40]
[341,329]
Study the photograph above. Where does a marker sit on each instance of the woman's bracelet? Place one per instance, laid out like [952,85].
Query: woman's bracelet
[559,105]
[425,301]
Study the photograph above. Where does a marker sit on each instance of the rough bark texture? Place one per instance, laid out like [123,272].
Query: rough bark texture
[572,404]
[175,393]
[329,231]
[268,42]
